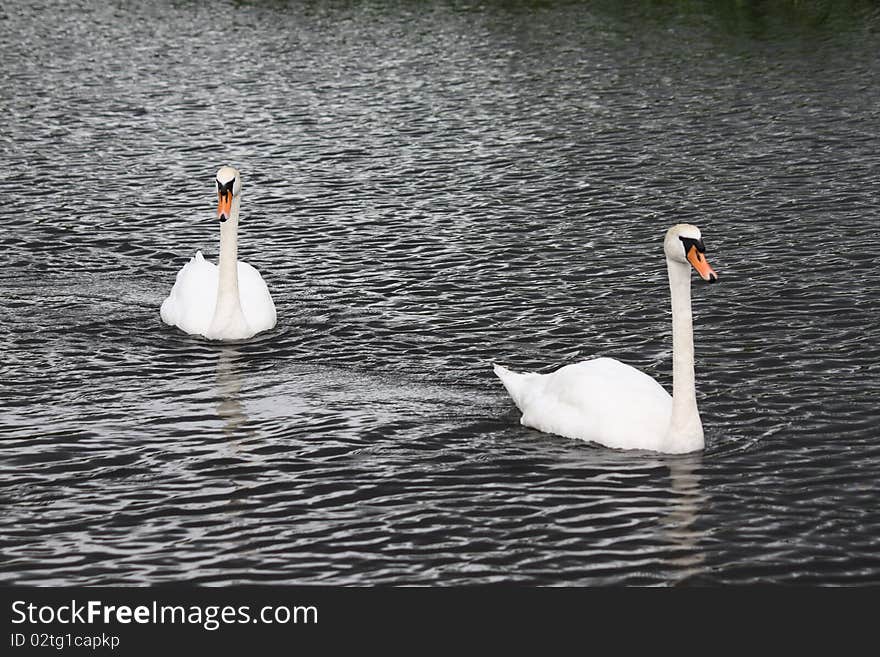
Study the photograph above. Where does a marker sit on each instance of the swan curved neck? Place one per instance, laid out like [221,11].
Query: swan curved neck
[685,431]
[227,312]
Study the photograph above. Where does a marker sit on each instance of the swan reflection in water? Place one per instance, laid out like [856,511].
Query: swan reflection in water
[228,387]
[637,510]
[679,524]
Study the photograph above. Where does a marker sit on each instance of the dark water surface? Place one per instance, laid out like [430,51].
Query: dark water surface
[428,188]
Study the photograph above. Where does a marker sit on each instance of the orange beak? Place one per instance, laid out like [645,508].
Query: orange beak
[704,269]
[224,207]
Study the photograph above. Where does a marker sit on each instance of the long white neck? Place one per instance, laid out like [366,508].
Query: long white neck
[228,316]
[685,432]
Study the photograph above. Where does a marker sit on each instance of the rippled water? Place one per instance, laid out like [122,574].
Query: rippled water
[428,188]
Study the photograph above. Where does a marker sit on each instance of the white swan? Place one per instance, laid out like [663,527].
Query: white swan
[616,405]
[229,302]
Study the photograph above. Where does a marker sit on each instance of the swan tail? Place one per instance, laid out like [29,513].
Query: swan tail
[514,382]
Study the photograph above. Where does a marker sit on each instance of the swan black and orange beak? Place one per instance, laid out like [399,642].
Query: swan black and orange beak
[224,206]
[697,258]
[224,197]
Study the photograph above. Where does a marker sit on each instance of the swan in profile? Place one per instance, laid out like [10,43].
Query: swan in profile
[229,302]
[613,404]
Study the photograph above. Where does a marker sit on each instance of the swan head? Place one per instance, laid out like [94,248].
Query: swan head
[684,244]
[228,188]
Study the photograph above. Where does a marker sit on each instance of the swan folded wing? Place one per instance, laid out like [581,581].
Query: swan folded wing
[600,400]
[256,301]
[190,304]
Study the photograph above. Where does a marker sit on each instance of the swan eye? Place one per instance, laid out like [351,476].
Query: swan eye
[223,190]
[688,242]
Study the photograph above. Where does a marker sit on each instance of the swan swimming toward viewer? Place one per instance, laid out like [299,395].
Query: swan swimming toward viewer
[607,402]
[229,302]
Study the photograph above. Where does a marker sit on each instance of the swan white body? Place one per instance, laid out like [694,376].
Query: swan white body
[616,405]
[600,400]
[226,302]
[191,304]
